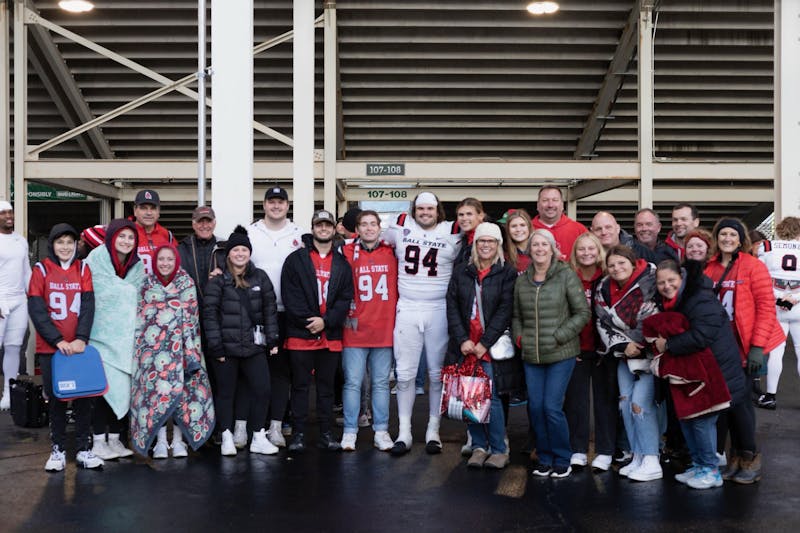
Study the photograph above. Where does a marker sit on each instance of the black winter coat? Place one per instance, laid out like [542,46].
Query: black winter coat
[197,260]
[710,328]
[228,324]
[301,294]
[497,299]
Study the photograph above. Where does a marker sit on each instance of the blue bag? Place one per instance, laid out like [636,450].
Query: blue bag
[78,376]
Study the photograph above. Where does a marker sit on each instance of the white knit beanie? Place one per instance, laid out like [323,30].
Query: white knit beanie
[488,229]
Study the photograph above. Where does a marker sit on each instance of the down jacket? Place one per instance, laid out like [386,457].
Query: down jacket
[228,323]
[709,328]
[754,314]
[548,318]
[497,297]
[301,293]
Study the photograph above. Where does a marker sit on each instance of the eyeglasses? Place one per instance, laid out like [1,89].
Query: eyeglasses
[486,242]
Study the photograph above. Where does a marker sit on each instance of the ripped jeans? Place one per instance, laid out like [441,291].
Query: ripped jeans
[638,410]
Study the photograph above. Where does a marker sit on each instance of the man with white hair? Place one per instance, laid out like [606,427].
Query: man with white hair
[426,246]
[15,273]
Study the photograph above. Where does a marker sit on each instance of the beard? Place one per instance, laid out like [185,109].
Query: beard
[323,240]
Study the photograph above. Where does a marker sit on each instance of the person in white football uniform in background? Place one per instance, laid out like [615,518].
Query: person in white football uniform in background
[15,274]
[782,258]
[426,245]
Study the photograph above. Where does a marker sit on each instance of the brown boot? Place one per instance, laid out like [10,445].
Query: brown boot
[749,468]
[733,466]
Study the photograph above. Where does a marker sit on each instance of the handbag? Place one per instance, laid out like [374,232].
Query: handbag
[78,376]
[466,392]
[28,406]
[503,348]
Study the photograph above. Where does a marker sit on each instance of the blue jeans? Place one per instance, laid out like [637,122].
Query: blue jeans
[701,439]
[491,435]
[354,364]
[547,385]
[641,427]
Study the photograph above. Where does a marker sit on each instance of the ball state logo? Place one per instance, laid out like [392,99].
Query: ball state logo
[295,243]
[148,196]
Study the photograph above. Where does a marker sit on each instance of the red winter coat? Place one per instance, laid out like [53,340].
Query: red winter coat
[696,382]
[754,314]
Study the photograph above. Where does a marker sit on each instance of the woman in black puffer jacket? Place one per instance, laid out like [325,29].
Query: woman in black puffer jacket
[485,276]
[240,318]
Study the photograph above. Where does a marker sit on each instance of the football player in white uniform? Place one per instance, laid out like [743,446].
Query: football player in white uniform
[782,258]
[426,247]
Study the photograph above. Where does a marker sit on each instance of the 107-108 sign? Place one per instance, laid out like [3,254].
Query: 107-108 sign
[386,169]
[387,194]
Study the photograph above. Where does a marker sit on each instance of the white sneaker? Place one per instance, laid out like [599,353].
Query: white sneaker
[117,447]
[101,449]
[57,461]
[602,462]
[722,459]
[240,434]
[466,449]
[578,459]
[349,442]
[87,459]
[5,401]
[227,448]
[383,441]
[649,470]
[261,444]
[160,450]
[635,463]
[179,449]
[276,437]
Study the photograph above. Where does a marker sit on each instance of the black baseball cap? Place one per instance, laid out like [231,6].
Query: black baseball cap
[276,192]
[323,216]
[147,196]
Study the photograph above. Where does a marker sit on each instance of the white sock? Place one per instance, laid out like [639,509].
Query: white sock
[10,366]
[405,430]
[177,436]
[275,425]
[405,398]
[432,433]
[98,438]
[162,435]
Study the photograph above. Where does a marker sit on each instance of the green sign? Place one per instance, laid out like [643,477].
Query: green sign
[42,193]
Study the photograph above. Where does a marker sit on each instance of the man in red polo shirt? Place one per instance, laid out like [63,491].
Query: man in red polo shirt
[146,211]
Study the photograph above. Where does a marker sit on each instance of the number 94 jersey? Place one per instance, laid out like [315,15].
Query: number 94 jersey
[783,262]
[370,322]
[425,258]
[60,291]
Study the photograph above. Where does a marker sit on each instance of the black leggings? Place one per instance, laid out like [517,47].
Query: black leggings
[740,419]
[104,419]
[255,372]
[602,373]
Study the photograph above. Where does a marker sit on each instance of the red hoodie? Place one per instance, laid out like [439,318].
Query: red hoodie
[565,231]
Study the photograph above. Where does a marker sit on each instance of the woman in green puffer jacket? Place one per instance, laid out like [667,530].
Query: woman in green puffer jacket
[550,310]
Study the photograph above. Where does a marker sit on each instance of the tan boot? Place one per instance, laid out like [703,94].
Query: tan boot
[734,462]
[750,468]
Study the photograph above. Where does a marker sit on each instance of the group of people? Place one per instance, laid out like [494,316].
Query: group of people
[226,336]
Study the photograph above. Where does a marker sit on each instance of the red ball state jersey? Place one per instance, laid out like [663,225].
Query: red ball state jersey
[370,323]
[150,242]
[61,291]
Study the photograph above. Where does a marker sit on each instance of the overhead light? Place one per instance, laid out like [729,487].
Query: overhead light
[542,8]
[76,6]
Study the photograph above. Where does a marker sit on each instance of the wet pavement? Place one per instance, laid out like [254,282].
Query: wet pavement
[371,491]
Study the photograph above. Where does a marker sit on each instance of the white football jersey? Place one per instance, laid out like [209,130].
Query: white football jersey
[424,257]
[783,262]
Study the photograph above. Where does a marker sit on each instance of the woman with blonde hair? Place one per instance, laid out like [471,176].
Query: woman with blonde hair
[518,233]
[592,372]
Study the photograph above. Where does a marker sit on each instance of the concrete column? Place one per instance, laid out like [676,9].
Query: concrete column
[20,118]
[232,114]
[303,112]
[787,109]
[5,106]
[331,105]
[645,86]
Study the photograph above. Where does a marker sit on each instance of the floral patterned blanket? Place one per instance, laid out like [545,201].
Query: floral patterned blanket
[169,379]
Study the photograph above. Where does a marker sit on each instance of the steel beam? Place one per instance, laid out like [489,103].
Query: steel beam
[609,89]
[20,118]
[66,83]
[453,173]
[645,91]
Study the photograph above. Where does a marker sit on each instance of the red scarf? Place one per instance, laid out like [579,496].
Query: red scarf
[618,292]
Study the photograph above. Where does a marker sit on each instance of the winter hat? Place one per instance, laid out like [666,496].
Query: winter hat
[349,219]
[94,236]
[731,223]
[238,238]
[5,206]
[701,234]
[488,229]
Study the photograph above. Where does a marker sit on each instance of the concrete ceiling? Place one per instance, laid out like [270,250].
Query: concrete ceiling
[431,80]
